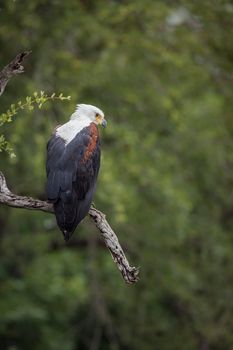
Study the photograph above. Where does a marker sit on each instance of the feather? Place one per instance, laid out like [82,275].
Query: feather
[72,171]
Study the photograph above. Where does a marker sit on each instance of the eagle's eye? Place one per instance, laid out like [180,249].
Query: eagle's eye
[98,118]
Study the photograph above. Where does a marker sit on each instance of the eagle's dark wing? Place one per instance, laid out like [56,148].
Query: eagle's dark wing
[72,172]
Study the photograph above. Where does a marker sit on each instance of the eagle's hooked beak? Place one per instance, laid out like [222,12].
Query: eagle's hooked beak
[104,123]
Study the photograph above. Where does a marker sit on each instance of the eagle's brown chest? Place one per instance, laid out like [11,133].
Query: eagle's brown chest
[90,148]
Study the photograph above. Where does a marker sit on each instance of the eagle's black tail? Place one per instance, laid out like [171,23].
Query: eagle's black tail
[70,211]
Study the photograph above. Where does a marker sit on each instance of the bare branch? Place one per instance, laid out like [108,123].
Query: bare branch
[11,69]
[130,274]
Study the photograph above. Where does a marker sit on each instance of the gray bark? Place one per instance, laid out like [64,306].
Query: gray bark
[130,274]
[13,68]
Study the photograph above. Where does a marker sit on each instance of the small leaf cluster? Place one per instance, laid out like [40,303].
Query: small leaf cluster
[37,100]
[6,146]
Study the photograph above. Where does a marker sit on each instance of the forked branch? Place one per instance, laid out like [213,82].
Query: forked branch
[130,274]
[11,69]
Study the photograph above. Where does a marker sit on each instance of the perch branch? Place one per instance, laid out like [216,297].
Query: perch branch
[11,69]
[130,274]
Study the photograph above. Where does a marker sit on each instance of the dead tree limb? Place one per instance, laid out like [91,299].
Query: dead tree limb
[130,274]
[11,69]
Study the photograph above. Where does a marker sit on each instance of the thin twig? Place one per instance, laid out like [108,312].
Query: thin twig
[130,274]
[11,69]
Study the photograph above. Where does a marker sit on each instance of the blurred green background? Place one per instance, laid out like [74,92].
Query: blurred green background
[162,72]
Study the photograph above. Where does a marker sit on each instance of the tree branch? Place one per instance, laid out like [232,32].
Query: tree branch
[11,69]
[130,274]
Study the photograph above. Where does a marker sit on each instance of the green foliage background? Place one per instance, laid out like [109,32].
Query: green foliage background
[162,72]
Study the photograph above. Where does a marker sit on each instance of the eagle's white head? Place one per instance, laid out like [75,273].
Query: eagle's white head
[83,116]
[90,113]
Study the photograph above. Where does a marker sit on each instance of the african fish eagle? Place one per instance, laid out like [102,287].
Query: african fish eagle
[73,161]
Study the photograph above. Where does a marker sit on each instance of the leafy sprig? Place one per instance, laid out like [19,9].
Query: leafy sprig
[30,103]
